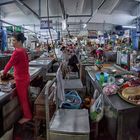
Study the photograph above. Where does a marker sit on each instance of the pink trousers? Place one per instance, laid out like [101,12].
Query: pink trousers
[22,92]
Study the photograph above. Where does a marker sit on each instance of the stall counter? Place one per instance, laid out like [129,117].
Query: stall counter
[120,115]
[9,105]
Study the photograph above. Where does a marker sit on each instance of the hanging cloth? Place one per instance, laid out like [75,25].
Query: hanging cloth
[60,85]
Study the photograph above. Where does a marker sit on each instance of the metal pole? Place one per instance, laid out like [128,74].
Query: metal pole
[62,8]
[34,27]
[91,2]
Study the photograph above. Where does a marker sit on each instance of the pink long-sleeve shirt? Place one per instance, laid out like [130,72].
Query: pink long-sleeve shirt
[19,60]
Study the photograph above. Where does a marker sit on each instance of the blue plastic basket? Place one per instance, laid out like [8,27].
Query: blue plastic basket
[72,100]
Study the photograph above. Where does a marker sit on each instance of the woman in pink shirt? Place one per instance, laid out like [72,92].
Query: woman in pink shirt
[19,60]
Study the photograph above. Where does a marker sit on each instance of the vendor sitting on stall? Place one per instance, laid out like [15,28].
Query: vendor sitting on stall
[93,51]
[73,62]
[100,52]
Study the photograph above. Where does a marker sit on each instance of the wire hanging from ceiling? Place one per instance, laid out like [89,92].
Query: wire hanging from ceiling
[49,21]
[49,28]
[76,12]
[57,23]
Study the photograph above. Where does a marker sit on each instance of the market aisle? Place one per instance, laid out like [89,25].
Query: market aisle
[26,132]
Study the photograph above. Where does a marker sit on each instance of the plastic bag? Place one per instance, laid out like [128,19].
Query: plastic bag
[110,89]
[96,94]
[97,109]
[72,100]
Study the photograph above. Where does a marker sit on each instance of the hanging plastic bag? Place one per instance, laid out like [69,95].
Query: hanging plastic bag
[96,94]
[97,109]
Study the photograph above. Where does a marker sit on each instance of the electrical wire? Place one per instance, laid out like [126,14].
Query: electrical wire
[49,21]
[49,28]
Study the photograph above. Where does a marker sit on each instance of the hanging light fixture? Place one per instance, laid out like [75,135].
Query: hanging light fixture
[84,25]
[64,24]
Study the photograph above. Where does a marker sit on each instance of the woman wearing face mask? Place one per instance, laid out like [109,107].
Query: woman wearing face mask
[19,60]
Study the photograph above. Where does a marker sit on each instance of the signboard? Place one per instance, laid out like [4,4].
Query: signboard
[126,33]
[123,59]
[14,28]
[92,34]
[18,29]
[83,33]
[45,24]
[10,28]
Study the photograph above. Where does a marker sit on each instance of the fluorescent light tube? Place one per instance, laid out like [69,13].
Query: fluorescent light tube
[130,27]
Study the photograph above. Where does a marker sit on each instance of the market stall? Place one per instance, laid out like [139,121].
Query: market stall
[34,72]
[47,110]
[44,64]
[83,63]
[121,115]
[10,110]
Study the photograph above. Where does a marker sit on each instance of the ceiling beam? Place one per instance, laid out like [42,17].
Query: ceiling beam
[62,8]
[25,5]
[116,2]
[68,16]
[8,2]
[21,8]
[136,10]
[81,5]
[91,3]
[92,13]
[51,17]
[7,22]
[79,15]
[2,13]
[100,5]
[14,25]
